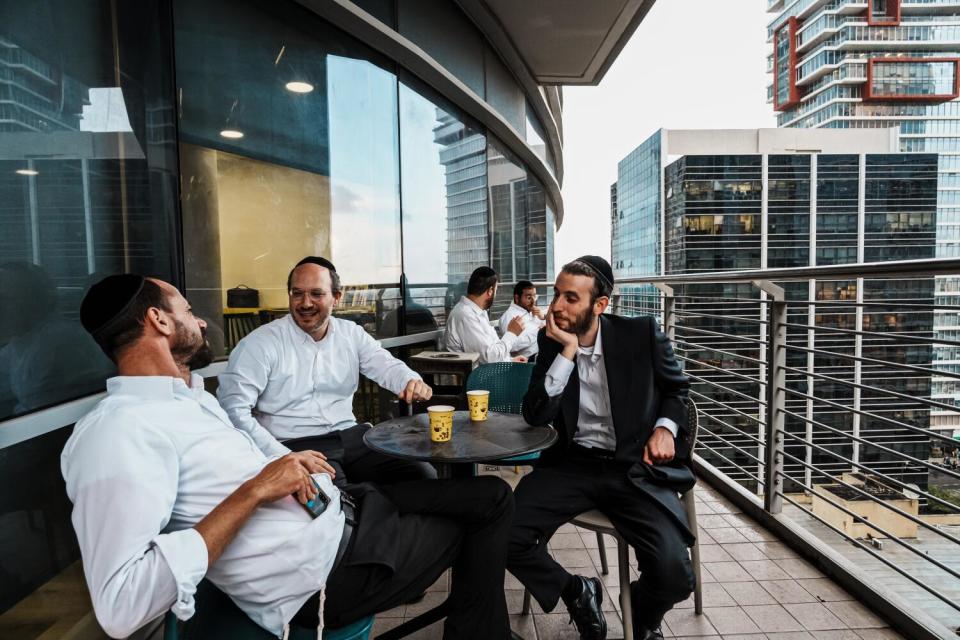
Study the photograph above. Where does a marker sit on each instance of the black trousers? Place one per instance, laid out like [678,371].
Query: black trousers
[460,523]
[553,495]
[355,462]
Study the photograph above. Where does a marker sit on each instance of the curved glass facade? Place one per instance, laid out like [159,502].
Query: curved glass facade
[214,143]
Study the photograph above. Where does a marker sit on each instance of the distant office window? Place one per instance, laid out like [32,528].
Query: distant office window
[288,148]
[87,182]
[914,79]
[443,160]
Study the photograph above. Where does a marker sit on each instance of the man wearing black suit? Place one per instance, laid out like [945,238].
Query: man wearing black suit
[614,391]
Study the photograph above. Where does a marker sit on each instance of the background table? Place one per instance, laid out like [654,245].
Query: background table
[501,435]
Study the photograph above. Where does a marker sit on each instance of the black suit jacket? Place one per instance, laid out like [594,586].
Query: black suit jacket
[645,382]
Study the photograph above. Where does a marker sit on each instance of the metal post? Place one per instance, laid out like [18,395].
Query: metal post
[669,319]
[776,381]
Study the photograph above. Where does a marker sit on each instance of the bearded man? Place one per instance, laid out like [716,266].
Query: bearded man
[290,383]
[613,389]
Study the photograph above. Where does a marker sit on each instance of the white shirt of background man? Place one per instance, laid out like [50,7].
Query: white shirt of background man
[469,330]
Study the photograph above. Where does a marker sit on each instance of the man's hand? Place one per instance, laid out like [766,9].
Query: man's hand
[537,312]
[281,478]
[565,338]
[660,447]
[314,462]
[416,390]
[519,358]
[516,326]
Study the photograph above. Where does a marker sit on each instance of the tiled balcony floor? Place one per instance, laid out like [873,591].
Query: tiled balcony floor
[754,587]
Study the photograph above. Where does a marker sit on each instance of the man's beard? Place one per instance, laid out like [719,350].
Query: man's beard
[192,351]
[582,323]
[202,358]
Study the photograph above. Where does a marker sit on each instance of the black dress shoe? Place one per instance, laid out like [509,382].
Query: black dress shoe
[651,634]
[585,610]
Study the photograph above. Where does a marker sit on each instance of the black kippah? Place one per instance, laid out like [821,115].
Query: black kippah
[600,266]
[108,300]
[317,260]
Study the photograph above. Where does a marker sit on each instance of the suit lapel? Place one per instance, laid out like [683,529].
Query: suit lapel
[616,366]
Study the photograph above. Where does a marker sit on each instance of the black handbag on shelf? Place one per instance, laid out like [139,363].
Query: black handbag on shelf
[243,296]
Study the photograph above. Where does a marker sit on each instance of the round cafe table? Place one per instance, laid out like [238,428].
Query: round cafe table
[501,435]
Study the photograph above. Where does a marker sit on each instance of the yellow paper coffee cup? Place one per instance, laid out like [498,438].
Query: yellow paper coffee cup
[479,402]
[441,422]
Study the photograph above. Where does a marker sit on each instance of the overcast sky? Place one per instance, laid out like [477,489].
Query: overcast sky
[691,64]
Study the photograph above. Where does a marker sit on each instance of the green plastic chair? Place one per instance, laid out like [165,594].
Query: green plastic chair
[507,383]
[218,618]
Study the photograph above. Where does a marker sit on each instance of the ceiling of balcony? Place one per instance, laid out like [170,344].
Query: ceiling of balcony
[561,41]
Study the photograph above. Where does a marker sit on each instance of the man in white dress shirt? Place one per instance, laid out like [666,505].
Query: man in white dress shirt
[293,381]
[468,327]
[524,306]
[167,492]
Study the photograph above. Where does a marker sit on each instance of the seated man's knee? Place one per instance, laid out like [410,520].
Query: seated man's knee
[674,576]
[498,493]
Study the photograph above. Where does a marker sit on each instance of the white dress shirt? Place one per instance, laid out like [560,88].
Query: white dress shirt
[594,421]
[148,463]
[280,383]
[526,343]
[469,330]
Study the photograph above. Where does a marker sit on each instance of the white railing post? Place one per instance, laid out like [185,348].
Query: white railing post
[669,319]
[776,396]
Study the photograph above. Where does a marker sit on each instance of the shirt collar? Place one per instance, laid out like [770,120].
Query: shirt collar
[597,346]
[147,387]
[473,306]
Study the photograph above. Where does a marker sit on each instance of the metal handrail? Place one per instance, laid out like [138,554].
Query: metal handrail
[894,269]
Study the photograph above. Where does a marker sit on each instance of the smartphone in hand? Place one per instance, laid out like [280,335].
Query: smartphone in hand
[319,503]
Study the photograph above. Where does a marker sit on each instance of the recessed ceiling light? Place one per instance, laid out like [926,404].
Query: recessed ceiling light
[299,87]
[28,172]
[233,134]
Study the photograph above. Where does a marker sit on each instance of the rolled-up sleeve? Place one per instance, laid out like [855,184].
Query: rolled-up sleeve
[186,555]
[122,478]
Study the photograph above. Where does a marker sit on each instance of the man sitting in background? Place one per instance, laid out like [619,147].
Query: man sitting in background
[468,327]
[293,380]
[524,306]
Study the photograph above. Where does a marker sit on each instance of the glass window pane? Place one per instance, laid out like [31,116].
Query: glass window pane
[87,188]
[444,183]
[86,181]
[289,149]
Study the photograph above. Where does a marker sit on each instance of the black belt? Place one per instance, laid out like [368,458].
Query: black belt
[594,453]
[350,512]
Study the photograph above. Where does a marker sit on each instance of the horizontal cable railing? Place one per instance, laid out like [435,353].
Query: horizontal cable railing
[831,395]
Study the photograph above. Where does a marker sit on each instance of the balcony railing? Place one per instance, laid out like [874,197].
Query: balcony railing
[817,390]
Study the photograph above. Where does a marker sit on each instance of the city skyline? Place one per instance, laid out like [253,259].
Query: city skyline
[605,123]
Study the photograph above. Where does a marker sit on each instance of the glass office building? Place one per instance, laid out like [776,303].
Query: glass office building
[845,64]
[214,143]
[769,205]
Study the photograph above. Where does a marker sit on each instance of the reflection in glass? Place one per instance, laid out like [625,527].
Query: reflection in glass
[444,179]
[315,173]
[518,218]
[86,184]
[87,188]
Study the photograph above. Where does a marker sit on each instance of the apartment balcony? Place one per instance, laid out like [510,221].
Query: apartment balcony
[826,506]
